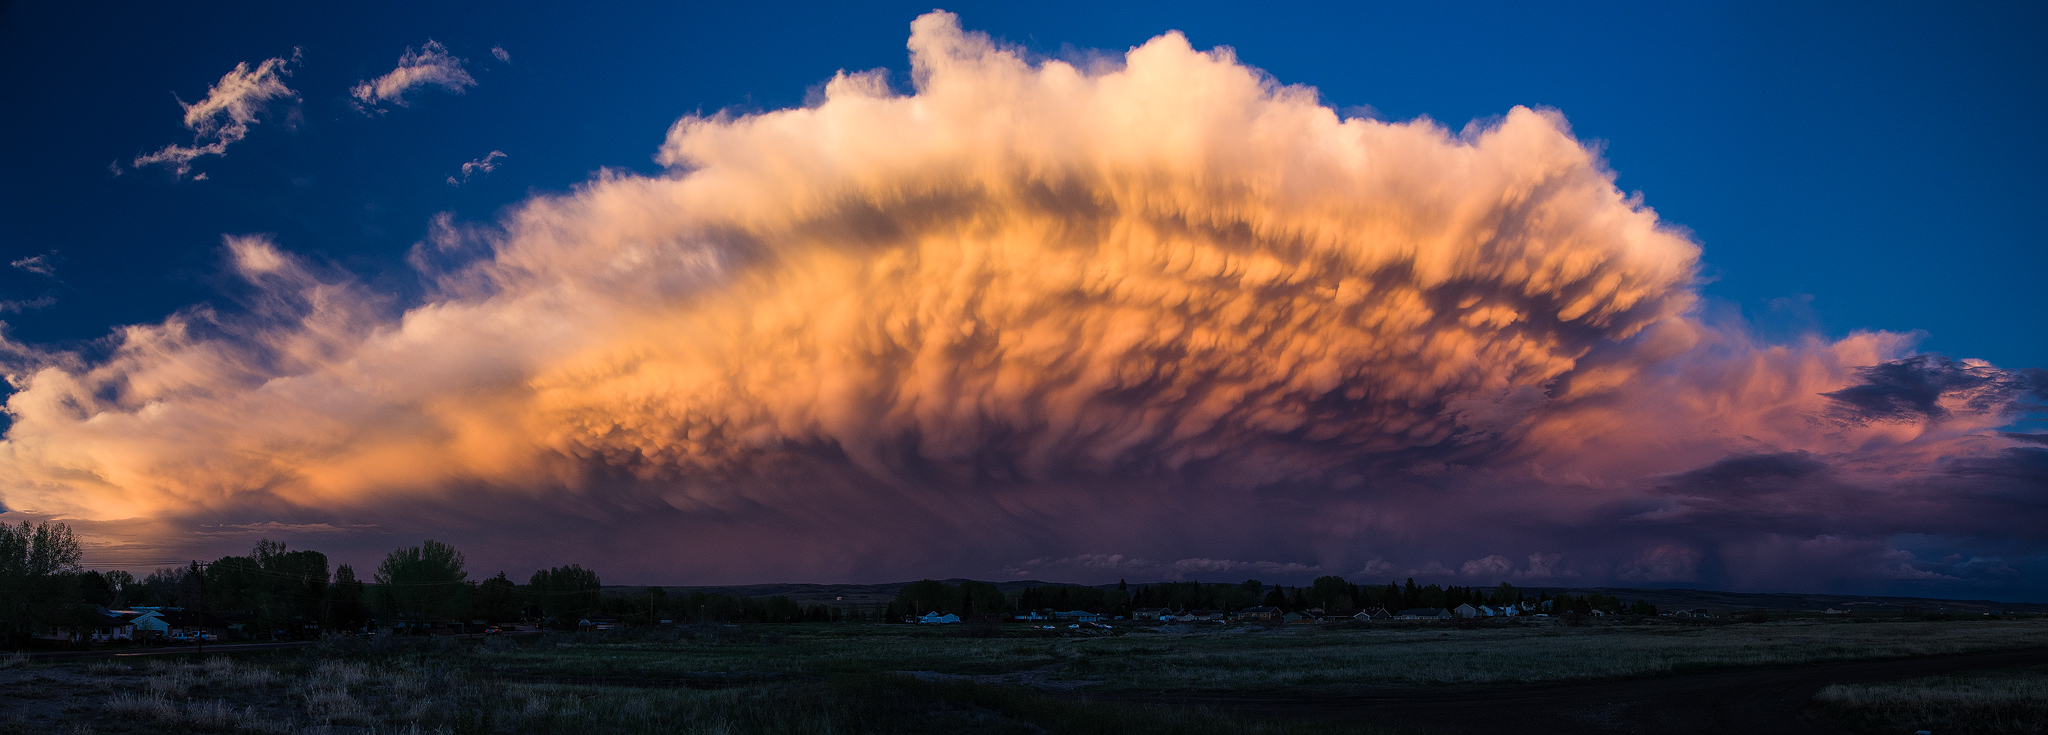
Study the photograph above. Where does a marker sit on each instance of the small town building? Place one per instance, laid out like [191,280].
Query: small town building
[1424,613]
[1255,614]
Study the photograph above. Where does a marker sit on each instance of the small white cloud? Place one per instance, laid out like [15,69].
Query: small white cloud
[224,116]
[487,164]
[255,255]
[12,306]
[499,53]
[1492,566]
[37,264]
[1544,566]
[430,66]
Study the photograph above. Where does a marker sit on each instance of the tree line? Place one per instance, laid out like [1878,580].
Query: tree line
[274,589]
[1328,593]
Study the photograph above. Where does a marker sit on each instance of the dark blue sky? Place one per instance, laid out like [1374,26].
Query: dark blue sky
[1885,161]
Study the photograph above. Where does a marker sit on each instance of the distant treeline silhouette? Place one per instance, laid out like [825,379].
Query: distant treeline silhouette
[1329,593]
[274,591]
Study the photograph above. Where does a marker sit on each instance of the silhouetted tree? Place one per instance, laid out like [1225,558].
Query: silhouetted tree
[565,594]
[346,609]
[426,581]
[38,580]
[498,600]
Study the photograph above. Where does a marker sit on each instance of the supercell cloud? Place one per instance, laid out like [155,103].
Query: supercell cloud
[1168,317]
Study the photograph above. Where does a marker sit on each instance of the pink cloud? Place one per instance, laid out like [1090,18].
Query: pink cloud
[1032,312]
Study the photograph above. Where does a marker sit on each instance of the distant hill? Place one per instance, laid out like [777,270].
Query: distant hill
[1664,599]
[1671,599]
[807,594]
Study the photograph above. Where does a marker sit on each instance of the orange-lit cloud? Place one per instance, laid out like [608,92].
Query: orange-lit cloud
[1029,315]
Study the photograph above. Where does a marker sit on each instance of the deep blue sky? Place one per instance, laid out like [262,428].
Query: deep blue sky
[1884,161]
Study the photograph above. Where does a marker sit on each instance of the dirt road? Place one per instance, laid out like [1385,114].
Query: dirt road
[1756,701]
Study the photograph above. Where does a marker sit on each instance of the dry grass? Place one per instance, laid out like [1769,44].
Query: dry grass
[173,684]
[846,679]
[422,694]
[109,668]
[2008,702]
[1417,657]
[1226,659]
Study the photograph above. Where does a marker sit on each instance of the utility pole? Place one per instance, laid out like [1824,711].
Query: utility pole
[198,573]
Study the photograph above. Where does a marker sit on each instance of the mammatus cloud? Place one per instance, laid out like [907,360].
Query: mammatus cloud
[224,116]
[483,165]
[429,66]
[1033,316]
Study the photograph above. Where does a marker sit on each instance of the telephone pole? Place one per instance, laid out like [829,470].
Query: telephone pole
[198,572]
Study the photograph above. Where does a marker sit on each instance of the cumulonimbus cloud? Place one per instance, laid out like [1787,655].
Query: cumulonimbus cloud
[223,117]
[1168,309]
[429,66]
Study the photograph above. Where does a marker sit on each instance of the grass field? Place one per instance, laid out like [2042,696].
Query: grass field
[1999,702]
[895,679]
[1251,658]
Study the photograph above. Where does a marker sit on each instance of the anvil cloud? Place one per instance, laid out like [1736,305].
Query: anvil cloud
[1057,320]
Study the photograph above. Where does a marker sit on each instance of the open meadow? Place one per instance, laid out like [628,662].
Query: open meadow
[1998,702]
[897,678]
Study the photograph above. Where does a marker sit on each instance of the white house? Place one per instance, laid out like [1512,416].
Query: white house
[149,622]
[1082,616]
[933,617]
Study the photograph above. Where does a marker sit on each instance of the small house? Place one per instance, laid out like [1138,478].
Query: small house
[1255,614]
[1424,613]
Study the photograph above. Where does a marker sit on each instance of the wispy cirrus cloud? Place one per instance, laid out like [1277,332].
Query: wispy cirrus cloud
[223,117]
[430,66]
[484,165]
[37,264]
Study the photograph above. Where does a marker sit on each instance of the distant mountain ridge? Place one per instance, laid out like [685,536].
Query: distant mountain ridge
[1664,599]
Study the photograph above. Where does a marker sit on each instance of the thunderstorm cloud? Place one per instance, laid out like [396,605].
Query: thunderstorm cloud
[1164,317]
